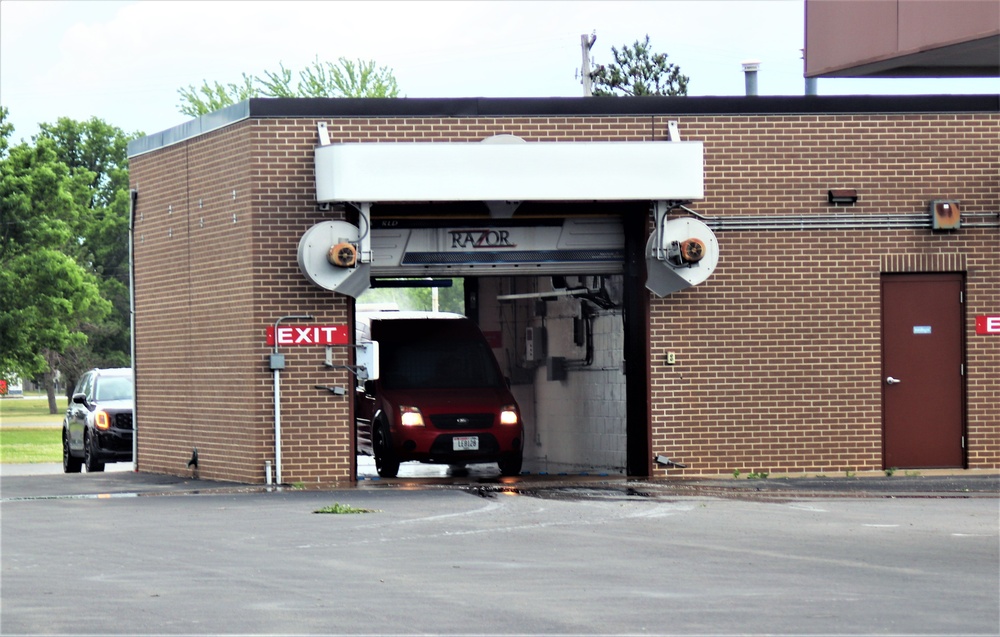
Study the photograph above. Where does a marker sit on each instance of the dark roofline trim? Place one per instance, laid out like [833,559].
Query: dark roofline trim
[326,107]
[650,105]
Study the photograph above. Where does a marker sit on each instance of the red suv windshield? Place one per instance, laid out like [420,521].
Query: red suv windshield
[439,365]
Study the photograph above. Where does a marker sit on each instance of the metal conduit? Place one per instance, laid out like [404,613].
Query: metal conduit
[838,221]
[986,215]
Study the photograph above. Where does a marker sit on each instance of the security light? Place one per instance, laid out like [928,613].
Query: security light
[846,197]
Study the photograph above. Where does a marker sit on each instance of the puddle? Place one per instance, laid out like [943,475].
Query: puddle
[573,493]
[86,496]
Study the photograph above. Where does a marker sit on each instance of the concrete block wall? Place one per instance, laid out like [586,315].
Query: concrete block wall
[571,425]
[581,420]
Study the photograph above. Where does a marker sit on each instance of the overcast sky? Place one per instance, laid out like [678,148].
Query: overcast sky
[125,61]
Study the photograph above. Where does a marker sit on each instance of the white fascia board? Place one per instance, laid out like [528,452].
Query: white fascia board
[532,171]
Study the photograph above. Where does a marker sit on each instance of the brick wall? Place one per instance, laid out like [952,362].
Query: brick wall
[218,223]
[777,353]
[194,308]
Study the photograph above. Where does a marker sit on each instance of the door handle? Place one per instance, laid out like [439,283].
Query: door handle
[892,381]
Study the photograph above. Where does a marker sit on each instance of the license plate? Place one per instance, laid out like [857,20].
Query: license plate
[465,443]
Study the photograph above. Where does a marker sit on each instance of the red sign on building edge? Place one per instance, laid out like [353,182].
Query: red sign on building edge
[988,324]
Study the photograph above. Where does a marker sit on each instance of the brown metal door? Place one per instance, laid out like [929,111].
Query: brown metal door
[923,401]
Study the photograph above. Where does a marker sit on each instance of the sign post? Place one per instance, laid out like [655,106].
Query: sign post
[277,364]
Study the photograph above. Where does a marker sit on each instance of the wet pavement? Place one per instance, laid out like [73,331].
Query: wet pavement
[483,479]
[121,552]
[48,480]
[125,553]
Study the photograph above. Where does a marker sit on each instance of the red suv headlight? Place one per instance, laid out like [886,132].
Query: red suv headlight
[410,417]
[509,415]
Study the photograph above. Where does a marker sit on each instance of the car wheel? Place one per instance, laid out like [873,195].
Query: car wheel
[70,463]
[510,464]
[386,463]
[90,456]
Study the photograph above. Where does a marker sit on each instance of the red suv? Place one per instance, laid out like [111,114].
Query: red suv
[440,396]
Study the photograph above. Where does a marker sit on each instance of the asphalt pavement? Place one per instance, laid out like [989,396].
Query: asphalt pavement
[135,553]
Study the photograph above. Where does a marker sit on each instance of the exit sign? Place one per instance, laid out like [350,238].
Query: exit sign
[307,335]
[988,324]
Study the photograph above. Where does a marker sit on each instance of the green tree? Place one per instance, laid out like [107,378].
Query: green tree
[638,71]
[450,299]
[97,153]
[46,296]
[6,130]
[209,98]
[95,146]
[345,78]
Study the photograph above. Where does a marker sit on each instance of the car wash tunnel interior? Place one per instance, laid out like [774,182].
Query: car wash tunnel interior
[555,307]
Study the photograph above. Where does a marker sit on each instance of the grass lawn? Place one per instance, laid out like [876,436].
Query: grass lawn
[30,444]
[17,411]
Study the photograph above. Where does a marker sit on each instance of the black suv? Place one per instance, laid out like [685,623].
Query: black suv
[98,424]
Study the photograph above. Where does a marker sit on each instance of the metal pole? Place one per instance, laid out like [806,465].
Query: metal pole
[586,42]
[277,394]
[133,196]
[750,68]
[277,420]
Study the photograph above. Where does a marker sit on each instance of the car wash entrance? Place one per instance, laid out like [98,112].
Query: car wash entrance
[548,291]
[557,267]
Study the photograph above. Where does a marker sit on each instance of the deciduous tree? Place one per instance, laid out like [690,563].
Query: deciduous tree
[98,153]
[345,78]
[46,295]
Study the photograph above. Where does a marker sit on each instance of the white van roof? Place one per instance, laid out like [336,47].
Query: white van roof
[363,319]
[406,314]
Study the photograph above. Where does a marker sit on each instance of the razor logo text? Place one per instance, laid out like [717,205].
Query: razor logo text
[464,239]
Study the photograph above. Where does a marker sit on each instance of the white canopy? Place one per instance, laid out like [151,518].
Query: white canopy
[530,171]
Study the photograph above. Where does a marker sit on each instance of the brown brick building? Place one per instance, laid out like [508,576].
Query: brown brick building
[778,362]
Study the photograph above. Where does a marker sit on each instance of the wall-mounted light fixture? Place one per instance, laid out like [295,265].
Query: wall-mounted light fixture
[842,196]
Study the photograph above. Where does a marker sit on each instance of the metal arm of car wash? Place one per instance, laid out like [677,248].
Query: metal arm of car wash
[680,253]
[366,357]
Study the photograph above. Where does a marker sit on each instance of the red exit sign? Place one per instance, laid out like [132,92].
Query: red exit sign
[307,335]
[988,324]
